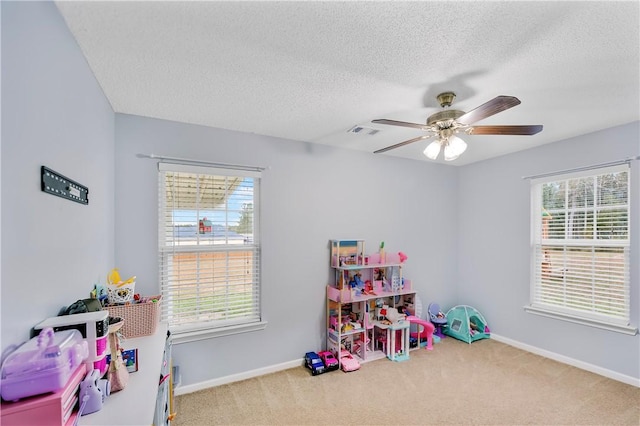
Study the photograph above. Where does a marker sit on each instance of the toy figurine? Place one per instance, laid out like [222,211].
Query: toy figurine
[359,283]
[368,288]
[356,283]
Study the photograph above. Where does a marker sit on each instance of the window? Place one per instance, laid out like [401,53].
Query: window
[209,250]
[580,247]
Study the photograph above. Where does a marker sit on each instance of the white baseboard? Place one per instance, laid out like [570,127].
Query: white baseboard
[569,361]
[181,390]
[185,389]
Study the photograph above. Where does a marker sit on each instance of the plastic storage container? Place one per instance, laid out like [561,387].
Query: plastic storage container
[94,328]
[42,364]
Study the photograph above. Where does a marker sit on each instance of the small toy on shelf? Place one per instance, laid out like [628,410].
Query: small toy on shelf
[394,315]
[396,283]
[359,345]
[368,288]
[347,252]
[333,322]
[356,283]
[383,257]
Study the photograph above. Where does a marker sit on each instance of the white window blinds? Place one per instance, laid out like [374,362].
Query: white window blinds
[209,246]
[580,244]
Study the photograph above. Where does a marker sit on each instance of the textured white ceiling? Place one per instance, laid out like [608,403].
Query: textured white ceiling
[311,71]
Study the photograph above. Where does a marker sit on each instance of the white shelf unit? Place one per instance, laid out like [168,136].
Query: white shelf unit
[138,402]
[352,318]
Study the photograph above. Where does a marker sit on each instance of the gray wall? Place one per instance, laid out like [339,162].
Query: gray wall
[310,194]
[493,240]
[445,218]
[54,114]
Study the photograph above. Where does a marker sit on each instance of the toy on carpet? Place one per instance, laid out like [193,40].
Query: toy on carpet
[467,324]
[437,318]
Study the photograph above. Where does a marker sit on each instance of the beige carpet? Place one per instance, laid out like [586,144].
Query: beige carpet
[485,383]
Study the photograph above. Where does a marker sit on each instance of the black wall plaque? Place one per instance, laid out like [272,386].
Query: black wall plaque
[56,184]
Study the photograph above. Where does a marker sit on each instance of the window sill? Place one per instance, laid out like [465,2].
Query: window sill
[179,337]
[625,329]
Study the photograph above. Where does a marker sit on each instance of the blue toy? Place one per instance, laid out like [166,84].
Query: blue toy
[314,363]
[356,282]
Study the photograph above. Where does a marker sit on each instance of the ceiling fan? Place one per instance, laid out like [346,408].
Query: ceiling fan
[447,123]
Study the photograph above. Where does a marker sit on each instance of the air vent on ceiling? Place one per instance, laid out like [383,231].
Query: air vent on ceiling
[364,130]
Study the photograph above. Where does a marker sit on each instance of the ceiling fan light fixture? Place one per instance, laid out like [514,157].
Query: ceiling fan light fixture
[446,123]
[454,148]
[432,150]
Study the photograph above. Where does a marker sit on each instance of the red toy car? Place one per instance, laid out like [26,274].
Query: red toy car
[330,361]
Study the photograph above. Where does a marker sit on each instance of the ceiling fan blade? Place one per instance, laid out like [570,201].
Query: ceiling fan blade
[506,130]
[494,106]
[402,123]
[398,145]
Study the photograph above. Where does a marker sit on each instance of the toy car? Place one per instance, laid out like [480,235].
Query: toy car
[349,363]
[330,361]
[314,363]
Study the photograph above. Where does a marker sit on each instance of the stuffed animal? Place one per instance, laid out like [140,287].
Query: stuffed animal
[394,316]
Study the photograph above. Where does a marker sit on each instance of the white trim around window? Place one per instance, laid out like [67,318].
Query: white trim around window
[209,250]
[580,248]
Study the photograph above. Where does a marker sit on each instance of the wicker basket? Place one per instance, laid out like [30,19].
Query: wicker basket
[140,319]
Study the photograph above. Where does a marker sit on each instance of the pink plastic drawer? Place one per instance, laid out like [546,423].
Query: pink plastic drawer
[101,346]
[101,365]
[51,409]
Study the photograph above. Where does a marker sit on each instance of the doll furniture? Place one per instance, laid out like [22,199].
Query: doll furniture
[437,318]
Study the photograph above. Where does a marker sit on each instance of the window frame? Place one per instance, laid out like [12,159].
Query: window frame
[619,324]
[167,248]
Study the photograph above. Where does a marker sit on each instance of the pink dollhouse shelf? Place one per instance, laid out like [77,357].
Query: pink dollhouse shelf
[345,295]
